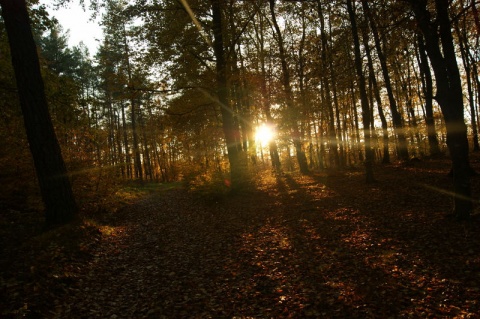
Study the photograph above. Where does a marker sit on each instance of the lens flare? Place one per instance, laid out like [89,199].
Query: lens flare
[264,134]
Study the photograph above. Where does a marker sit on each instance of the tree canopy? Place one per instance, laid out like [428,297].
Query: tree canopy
[177,89]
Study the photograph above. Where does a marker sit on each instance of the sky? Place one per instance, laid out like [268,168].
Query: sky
[73,18]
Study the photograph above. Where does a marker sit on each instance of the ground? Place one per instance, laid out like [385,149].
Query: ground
[325,245]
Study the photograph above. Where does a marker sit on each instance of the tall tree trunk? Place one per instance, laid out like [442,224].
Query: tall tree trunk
[112,146]
[476,83]
[297,139]
[441,51]
[464,50]
[363,96]
[406,88]
[247,126]
[376,93]
[237,174]
[265,101]
[120,155]
[137,164]
[332,136]
[147,162]
[428,93]
[128,161]
[60,205]
[402,148]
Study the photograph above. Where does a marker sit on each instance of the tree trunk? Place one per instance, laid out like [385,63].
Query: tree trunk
[55,187]
[229,128]
[137,164]
[363,96]
[332,136]
[297,140]
[120,155]
[147,162]
[376,92]
[128,161]
[333,78]
[440,49]
[464,49]
[397,120]
[265,101]
[428,92]
[404,81]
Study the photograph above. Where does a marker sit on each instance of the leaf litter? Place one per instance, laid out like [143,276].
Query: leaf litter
[323,245]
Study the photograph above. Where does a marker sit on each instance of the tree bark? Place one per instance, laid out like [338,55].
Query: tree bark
[229,127]
[402,147]
[297,140]
[363,96]
[428,92]
[265,100]
[128,160]
[464,50]
[441,51]
[137,163]
[376,91]
[332,136]
[55,187]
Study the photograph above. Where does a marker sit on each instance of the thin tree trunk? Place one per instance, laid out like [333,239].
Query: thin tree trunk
[464,49]
[128,161]
[428,93]
[355,126]
[376,93]
[111,133]
[405,85]
[363,96]
[137,164]
[297,139]
[265,101]
[332,136]
[147,163]
[120,156]
[397,120]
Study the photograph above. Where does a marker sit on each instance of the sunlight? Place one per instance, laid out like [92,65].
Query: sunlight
[264,134]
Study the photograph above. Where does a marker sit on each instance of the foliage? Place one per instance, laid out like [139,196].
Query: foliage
[145,106]
[142,133]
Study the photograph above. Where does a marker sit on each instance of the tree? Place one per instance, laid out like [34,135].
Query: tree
[60,205]
[376,93]
[297,141]
[363,95]
[259,36]
[230,128]
[332,137]
[464,44]
[427,85]
[396,116]
[440,48]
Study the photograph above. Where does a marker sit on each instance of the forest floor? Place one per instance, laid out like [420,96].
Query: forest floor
[320,246]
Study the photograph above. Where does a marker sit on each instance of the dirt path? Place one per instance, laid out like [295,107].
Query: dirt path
[320,246]
[165,256]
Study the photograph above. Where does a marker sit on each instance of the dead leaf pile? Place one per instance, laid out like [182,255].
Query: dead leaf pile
[318,246]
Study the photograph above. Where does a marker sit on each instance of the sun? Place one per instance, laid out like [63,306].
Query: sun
[264,134]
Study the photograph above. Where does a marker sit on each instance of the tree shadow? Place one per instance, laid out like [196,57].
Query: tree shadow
[364,252]
[404,222]
[300,247]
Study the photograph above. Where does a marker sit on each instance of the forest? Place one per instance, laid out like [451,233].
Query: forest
[241,159]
